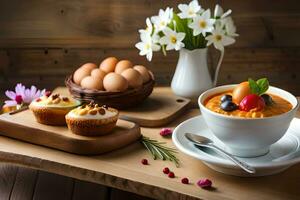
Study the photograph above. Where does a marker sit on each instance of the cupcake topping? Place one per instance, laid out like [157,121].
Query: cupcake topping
[93,110]
[55,100]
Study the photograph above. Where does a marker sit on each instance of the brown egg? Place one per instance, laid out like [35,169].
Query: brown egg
[151,75]
[98,73]
[90,82]
[123,65]
[89,66]
[108,65]
[240,91]
[143,71]
[114,82]
[80,74]
[133,77]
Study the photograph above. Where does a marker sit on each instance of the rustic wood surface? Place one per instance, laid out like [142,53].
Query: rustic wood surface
[159,109]
[20,183]
[41,42]
[23,126]
[122,169]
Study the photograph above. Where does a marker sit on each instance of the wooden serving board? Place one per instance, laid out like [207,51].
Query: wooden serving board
[23,126]
[159,109]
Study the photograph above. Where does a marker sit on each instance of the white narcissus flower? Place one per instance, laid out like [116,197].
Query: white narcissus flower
[147,45]
[219,39]
[189,11]
[219,12]
[202,24]
[172,39]
[149,27]
[229,27]
[163,19]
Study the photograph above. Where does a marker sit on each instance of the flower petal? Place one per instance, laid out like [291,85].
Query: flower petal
[10,94]
[10,103]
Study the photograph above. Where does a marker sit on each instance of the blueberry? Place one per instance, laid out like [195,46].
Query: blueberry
[226,97]
[228,106]
[267,99]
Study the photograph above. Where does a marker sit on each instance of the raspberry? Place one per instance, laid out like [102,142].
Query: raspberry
[19,99]
[165,132]
[166,170]
[38,100]
[144,161]
[204,183]
[185,181]
[171,175]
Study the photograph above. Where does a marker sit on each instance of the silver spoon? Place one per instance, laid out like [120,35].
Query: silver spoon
[205,142]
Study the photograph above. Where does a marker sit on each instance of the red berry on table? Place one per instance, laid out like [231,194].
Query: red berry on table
[185,181]
[252,101]
[204,183]
[171,175]
[144,161]
[166,170]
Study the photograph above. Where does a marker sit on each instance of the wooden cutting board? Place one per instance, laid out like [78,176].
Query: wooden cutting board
[159,109]
[23,126]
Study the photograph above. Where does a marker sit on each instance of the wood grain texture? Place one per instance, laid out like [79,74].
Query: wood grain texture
[24,185]
[85,190]
[159,109]
[23,126]
[122,169]
[51,186]
[8,175]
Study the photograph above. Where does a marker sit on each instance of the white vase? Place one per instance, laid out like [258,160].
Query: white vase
[192,76]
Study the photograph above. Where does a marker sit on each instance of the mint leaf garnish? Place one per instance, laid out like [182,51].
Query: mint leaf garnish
[263,84]
[258,87]
[253,86]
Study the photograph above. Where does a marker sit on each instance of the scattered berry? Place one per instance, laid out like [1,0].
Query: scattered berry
[166,170]
[165,132]
[171,175]
[48,93]
[204,183]
[144,161]
[185,181]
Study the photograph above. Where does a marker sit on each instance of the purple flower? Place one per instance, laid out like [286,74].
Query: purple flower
[22,95]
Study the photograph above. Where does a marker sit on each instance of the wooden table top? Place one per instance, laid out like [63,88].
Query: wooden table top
[122,169]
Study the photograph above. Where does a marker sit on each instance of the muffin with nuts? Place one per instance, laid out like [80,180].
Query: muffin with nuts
[92,120]
[51,109]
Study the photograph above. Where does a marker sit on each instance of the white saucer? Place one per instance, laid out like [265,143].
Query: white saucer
[282,154]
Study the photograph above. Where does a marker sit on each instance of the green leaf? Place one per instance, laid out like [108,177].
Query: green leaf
[263,85]
[255,89]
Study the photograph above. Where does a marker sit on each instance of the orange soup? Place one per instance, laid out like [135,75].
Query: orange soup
[279,106]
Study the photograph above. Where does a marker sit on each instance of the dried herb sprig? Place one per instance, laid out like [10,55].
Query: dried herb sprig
[159,151]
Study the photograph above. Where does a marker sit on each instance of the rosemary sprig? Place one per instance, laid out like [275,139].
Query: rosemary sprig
[159,151]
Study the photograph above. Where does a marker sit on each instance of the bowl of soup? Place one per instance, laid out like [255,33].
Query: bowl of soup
[248,133]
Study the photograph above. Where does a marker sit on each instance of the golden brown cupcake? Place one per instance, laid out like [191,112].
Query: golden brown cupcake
[92,120]
[51,110]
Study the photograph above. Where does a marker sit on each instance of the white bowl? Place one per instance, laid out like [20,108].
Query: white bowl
[246,137]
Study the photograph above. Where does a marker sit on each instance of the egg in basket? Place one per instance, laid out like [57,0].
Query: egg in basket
[115,83]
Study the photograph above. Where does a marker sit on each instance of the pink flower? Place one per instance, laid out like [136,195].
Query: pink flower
[22,95]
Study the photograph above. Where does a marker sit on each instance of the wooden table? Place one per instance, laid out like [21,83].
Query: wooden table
[122,169]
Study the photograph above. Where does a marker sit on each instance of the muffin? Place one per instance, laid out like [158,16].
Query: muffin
[92,120]
[52,109]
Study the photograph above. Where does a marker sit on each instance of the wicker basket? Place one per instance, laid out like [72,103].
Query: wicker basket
[119,100]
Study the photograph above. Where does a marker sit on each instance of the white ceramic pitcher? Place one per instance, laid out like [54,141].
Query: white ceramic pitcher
[192,76]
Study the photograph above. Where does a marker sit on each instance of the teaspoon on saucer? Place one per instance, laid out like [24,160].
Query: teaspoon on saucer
[206,142]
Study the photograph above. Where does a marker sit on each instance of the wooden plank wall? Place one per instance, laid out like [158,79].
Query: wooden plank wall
[41,41]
